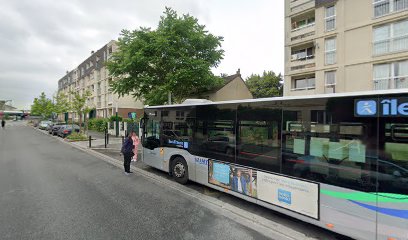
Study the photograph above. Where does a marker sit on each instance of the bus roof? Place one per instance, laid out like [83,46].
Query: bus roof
[348,94]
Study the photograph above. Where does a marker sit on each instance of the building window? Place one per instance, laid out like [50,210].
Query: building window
[303,23]
[391,37]
[391,75]
[330,18]
[304,83]
[330,81]
[384,7]
[330,51]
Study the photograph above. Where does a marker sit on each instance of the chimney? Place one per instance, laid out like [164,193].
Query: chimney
[92,52]
[239,71]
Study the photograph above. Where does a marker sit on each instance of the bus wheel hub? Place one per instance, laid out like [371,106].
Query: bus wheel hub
[179,170]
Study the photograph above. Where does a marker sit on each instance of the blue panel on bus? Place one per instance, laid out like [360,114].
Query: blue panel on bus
[366,108]
[221,173]
[284,196]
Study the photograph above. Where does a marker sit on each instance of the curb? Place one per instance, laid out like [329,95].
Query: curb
[260,224]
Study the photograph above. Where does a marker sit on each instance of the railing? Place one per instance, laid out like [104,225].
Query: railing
[310,83]
[302,57]
[390,45]
[385,7]
[391,83]
[303,27]
[308,65]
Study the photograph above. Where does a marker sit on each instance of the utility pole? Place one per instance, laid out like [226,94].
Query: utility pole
[117,121]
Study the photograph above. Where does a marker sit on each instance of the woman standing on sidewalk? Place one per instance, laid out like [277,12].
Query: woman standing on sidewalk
[136,142]
[127,151]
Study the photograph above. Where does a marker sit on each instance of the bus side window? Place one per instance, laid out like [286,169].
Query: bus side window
[151,139]
[393,159]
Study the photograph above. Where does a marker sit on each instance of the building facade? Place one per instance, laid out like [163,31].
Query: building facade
[334,46]
[92,75]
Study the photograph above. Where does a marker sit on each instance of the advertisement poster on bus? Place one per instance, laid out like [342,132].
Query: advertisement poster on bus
[296,195]
[237,179]
[289,193]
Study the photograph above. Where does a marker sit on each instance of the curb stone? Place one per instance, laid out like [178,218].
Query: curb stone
[262,225]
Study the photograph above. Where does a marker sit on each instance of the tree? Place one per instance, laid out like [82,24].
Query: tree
[78,104]
[267,85]
[175,58]
[62,104]
[42,106]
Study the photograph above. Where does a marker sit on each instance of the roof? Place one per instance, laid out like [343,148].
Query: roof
[332,95]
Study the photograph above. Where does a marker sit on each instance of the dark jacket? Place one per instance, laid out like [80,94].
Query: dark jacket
[127,147]
[3,123]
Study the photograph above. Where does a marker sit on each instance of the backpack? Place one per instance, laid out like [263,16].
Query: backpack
[127,146]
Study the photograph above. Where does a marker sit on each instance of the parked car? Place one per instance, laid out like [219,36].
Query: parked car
[44,124]
[66,130]
[53,129]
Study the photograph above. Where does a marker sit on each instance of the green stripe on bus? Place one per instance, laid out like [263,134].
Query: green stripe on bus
[368,197]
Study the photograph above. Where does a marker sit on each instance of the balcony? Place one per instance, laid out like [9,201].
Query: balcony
[306,83]
[297,6]
[303,32]
[306,63]
[391,83]
[303,57]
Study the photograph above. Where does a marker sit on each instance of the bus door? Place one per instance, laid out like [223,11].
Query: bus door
[152,148]
[392,200]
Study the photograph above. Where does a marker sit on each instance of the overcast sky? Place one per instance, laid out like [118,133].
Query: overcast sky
[40,40]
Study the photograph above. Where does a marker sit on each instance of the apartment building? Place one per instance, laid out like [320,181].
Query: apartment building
[334,46]
[92,75]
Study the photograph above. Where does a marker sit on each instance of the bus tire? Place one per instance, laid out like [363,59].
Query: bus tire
[179,170]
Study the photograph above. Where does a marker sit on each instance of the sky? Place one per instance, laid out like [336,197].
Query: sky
[40,40]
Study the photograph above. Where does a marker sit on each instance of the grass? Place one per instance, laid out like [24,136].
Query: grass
[77,137]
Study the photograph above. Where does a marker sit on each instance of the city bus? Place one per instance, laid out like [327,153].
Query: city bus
[338,161]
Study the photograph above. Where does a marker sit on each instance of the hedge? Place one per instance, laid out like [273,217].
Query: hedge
[98,124]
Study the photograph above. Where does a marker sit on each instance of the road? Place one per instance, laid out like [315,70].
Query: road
[50,190]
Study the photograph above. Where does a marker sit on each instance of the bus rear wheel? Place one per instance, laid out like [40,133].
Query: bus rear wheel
[179,170]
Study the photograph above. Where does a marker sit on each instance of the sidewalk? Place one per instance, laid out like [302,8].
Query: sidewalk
[112,149]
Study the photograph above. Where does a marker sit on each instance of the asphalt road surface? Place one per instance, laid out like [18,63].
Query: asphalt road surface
[50,190]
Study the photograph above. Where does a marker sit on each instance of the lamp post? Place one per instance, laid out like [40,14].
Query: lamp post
[117,121]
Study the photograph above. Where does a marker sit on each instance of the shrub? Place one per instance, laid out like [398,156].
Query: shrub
[98,124]
[113,118]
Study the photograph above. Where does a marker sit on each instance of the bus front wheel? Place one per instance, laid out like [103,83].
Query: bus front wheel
[179,170]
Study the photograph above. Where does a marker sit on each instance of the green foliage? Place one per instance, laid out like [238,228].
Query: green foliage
[78,104]
[6,117]
[42,106]
[98,124]
[267,85]
[129,120]
[113,118]
[177,57]
[77,137]
[62,104]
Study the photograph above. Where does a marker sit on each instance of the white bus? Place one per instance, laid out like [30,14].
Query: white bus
[337,161]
